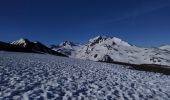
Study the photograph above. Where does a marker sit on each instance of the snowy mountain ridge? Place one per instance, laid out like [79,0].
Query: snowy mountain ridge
[36,46]
[100,48]
[22,42]
[107,40]
[112,49]
[68,43]
[68,48]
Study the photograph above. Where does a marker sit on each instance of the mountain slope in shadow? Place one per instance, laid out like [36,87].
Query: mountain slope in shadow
[28,46]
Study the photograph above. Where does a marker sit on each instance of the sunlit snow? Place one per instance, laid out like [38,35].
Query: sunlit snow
[37,76]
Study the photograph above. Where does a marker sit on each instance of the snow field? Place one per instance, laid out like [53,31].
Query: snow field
[44,77]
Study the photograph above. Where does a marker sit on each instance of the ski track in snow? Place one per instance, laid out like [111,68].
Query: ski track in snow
[40,77]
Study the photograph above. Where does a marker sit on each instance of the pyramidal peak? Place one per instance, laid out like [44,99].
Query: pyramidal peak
[107,40]
[68,43]
[100,38]
[23,42]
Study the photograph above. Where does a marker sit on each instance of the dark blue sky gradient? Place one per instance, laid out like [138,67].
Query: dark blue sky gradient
[140,22]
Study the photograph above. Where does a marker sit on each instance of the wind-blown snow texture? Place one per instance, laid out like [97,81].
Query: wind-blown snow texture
[165,47]
[37,76]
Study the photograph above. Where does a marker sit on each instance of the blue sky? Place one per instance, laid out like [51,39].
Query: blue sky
[140,22]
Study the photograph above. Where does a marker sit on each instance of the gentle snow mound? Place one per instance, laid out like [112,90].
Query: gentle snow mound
[165,47]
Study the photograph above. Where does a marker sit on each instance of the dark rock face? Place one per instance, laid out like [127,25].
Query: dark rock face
[95,55]
[95,41]
[9,47]
[107,58]
[98,40]
[65,51]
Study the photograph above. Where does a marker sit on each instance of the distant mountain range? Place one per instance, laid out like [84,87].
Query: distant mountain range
[112,49]
[68,48]
[101,48]
[24,45]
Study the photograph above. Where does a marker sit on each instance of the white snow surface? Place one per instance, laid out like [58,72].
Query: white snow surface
[165,47]
[28,76]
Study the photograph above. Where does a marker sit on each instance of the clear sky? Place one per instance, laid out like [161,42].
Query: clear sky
[140,22]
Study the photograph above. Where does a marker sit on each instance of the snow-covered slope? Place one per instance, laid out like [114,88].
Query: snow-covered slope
[112,49]
[117,50]
[68,48]
[165,47]
[21,42]
[25,76]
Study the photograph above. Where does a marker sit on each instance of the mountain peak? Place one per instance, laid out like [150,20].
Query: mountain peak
[68,43]
[107,40]
[98,38]
[22,41]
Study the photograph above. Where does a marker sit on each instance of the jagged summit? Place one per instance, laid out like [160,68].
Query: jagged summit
[68,43]
[21,42]
[36,46]
[107,40]
[100,38]
[68,48]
